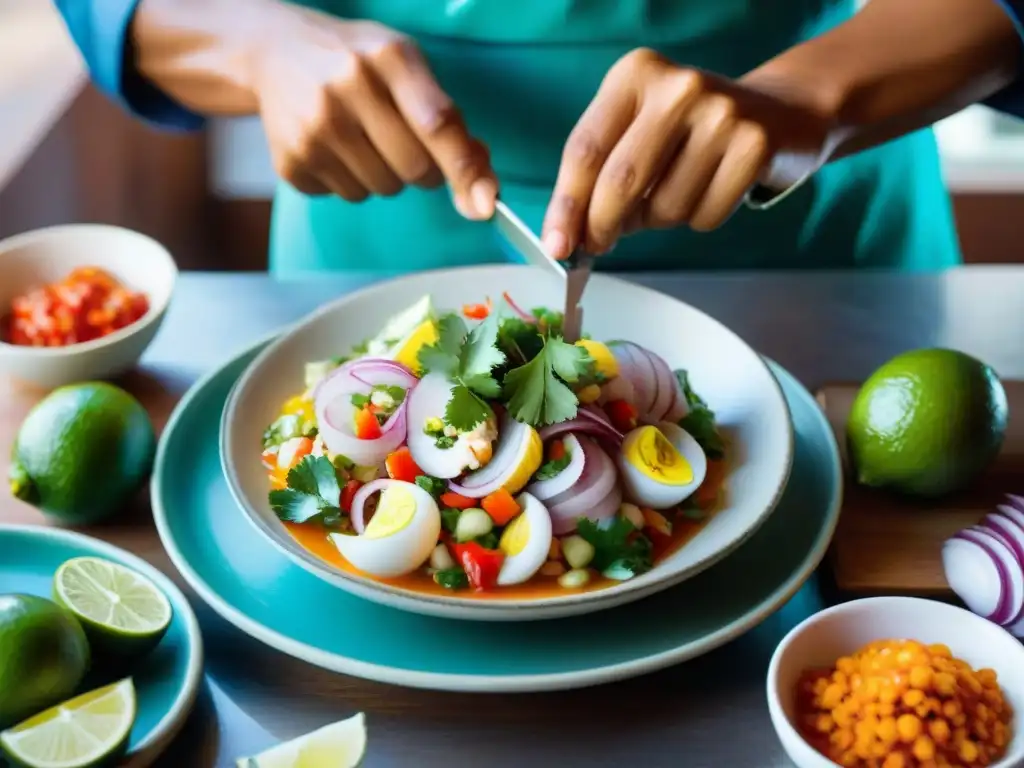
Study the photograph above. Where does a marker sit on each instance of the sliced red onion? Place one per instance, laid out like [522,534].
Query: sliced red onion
[1017,502]
[603,511]
[1014,595]
[1012,535]
[977,574]
[1015,514]
[358,512]
[586,424]
[523,315]
[546,489]
[667,385]
[635,366]
[335,413]
[512,435]
[583,499]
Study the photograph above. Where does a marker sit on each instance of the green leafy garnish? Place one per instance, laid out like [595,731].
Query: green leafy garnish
[551,468]
[452,578]
[537,392]
[617,545]
[519,340]
[285,428]
[397,395]
[450,518]
[444,442]
[468,359]
[313,493]
[360,401]
[435,486]
[488,541]
[700,421]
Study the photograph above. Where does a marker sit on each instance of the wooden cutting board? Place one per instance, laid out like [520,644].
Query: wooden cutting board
[885,545]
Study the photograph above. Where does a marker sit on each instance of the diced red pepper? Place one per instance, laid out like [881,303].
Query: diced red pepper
[481,565]
[269,459]
[477,311]
[366,425]
[556,450]
[348,493]
[400,466]
[622,414]
[454,500]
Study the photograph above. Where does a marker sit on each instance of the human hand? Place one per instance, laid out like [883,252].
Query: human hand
[351,108]
[663,145]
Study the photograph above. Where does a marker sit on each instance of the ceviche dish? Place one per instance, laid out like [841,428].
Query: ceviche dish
[479,453]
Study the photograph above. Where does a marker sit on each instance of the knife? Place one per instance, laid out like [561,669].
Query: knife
[520,240]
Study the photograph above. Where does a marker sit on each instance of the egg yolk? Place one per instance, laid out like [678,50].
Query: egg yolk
[395,511]
[658,459]
[517,533]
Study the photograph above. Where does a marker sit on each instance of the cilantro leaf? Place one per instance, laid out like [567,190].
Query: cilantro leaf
[617,545]
[465,410]
[450,518]
[312,494]
[484,385]
[443,355]
[519,340]
[435,486]
[452,578]
[700,421]
[480,354]
[552,468]
[536,396]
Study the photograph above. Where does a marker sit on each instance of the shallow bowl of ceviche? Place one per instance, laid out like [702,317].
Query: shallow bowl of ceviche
[434,444]
[80,301]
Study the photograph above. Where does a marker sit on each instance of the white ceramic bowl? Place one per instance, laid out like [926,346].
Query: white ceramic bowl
[723,369]
[48,255]
[838,631]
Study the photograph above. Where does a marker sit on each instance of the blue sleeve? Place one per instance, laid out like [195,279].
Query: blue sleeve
[100,29]
[1011,98]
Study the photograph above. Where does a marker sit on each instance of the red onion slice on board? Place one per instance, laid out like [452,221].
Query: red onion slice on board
[1015,575]
[976,574]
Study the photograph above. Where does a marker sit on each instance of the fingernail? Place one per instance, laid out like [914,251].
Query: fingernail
[557,244]
[483,193]
[462,206]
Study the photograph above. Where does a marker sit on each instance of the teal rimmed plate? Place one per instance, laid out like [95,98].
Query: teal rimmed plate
[167,680]
[259,590]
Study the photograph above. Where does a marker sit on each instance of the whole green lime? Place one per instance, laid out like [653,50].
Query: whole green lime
[927,423]
[82,452]
[43,656]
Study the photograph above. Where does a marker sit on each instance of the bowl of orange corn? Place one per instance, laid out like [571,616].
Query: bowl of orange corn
[898,682]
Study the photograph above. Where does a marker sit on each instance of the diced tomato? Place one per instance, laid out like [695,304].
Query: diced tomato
[556,450]
[348,493]
[366,425]
[454,500]
[481,565]
[269,459]
[400,466]
[501,507]
[622,415]
[477,311]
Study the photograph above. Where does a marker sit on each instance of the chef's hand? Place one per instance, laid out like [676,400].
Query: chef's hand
[662,145]
[351,108]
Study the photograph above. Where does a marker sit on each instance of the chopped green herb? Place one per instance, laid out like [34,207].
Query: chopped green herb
[435,486]
[284,428]
[343,463]
[444,442]
[450,518]
[360,401]
[451,578]
[313,493]
[700,421]
[488,541]
[537,392]
[617,544]
[552,468]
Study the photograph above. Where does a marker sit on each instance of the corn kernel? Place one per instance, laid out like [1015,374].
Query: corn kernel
[924,748]
[908,727]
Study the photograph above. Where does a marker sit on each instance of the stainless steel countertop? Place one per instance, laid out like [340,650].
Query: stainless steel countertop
[709,712]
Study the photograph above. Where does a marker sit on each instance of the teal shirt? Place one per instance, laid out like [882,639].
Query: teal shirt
[522,73]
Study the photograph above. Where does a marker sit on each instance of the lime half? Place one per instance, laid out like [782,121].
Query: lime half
[89,730]
[339,745]
[123,613]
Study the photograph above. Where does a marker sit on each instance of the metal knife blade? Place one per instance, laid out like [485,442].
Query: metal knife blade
[521,240]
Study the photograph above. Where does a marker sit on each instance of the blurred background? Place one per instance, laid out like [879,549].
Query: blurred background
[66,155]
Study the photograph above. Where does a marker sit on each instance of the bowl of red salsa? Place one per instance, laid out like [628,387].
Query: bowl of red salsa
[80,302]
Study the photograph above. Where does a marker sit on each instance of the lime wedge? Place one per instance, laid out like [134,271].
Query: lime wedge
[122,612]
[339,745]
[88,730]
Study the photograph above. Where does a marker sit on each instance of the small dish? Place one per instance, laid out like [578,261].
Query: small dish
[737,383]
[821,639]
[47,255]
[167,680]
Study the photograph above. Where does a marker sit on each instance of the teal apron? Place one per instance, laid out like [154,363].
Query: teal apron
[523,72]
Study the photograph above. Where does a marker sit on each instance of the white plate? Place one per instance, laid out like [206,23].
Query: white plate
[727,373]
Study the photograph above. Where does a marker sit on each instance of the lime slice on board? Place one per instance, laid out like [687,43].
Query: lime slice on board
[88,730]
[122,611]
[339,745]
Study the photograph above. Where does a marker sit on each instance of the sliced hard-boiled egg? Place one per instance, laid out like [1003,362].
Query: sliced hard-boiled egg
[441,458]
[604,361]
[661,465]
[399,537]
[407,351]
[525,541]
